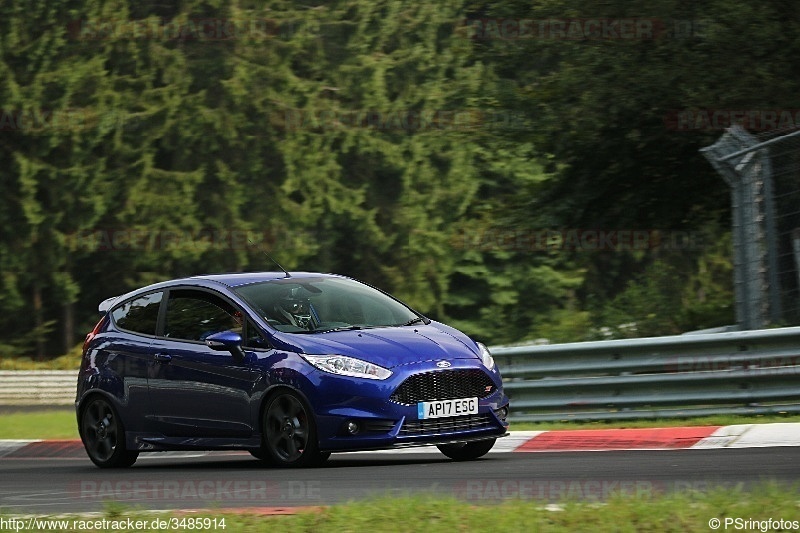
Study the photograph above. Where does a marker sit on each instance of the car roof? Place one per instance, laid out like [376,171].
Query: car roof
[236,279]
[231,279]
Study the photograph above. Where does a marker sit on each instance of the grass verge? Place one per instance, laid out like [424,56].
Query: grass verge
[672,512]
[50,424]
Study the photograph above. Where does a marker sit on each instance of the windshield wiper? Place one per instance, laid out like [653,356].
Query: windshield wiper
[416,320]
[340,328]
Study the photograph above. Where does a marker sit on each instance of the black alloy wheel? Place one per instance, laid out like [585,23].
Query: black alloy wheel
[290,438]
[103,435]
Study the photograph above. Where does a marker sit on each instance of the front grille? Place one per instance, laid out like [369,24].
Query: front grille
[444,385]
[436,426]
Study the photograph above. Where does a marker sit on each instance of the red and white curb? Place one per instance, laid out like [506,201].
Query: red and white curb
[676,438]
[753,436]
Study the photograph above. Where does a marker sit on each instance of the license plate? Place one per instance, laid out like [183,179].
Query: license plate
[445,408]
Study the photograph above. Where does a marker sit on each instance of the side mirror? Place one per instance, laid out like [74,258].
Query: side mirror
[229,341]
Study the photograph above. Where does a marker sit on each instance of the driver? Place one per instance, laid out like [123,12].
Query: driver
[296,311]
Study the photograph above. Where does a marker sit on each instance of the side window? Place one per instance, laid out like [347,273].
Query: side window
[253,338]
[194,315]
[139,315]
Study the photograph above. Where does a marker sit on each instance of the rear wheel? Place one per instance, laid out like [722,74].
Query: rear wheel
[103,435]
[466,451]
[290,437]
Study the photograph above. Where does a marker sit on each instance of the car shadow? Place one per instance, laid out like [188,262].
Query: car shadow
[251,464]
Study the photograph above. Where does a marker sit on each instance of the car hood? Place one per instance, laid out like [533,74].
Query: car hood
[393,346]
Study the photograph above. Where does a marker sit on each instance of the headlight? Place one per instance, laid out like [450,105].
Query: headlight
[486,357]
[347,366]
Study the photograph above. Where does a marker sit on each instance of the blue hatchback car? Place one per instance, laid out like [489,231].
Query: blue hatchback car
[288,366]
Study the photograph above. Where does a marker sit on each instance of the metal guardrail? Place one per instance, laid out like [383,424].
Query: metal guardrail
[749,372]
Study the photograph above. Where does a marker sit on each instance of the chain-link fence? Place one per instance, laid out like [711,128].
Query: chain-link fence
[763,172]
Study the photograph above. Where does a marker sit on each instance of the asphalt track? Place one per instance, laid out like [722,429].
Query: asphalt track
[234,480]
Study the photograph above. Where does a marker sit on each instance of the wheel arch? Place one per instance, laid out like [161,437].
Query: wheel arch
[88,396]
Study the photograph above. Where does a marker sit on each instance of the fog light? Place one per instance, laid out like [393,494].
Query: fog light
[352,427]
[502,413]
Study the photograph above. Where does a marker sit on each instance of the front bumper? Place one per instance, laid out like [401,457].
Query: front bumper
[383,422]
[406,433]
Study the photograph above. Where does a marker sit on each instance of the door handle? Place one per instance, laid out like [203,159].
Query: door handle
[163,358]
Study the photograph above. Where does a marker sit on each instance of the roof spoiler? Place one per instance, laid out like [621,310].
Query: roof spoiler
[106,304]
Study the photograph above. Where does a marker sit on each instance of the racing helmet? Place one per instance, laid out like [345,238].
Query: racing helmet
[296,310]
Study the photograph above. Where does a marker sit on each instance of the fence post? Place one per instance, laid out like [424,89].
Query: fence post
[745,165]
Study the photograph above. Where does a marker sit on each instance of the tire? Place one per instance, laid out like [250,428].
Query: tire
[289,433]
[103,435]
[467,451]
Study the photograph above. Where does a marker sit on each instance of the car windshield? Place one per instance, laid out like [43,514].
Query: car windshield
[315,305]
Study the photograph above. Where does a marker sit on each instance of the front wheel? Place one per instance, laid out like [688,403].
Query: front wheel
[103,435]
[289,434]
[466,451]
